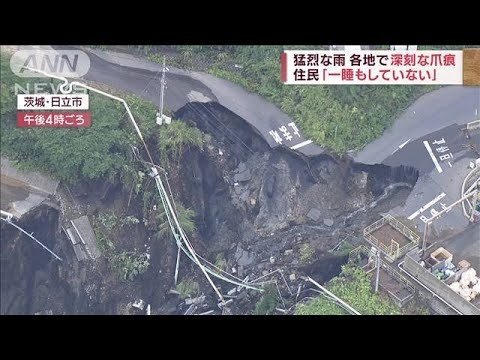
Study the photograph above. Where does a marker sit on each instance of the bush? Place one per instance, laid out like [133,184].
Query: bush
[220,261]
[175,138]
[129,220]
[104,243]
[109,221]
[354,287]
[268,301]
[129,265]
[188,288]
[126,264]
[306,253]
[185,217]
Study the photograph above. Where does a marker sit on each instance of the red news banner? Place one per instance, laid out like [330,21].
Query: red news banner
[54,119]
[380,67]
[69,110]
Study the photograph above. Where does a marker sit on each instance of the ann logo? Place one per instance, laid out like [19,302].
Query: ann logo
[64,63]
[52,64]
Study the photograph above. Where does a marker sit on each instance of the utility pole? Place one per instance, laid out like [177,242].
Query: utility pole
[429,222]
[163,82]
[425,235]
[377,280]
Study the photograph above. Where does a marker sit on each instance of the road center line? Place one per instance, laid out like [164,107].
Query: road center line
[426,206]
[434,159]
[302,144]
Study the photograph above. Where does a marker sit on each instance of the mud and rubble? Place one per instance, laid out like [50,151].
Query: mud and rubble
[270,213]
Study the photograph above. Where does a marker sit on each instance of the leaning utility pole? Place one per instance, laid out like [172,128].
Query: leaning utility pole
[163,82]
[429,222]
[377,277]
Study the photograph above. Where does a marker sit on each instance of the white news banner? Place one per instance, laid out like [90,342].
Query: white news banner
[380,67]
[52,102]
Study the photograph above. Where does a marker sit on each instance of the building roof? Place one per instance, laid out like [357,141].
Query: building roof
[87,236]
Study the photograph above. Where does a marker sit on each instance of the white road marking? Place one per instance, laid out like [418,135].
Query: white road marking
[476,112]
[302,144]
[434,159]
[405,143]
[449,163]
[426,206]
[401,146]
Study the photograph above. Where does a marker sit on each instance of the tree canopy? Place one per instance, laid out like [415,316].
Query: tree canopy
[354,287]
[100,151]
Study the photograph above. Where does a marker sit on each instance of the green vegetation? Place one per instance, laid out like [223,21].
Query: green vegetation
[354,287]
[344,249]
[142,110]
[306,253]
[158,58]
[100,152]
[175,138]
[188,288]
[66,154]
[356,114]
[185,217]
[129,220]
[109,221]
[70,154]
[128,265]
[104,243]
[220,261]
[268,301]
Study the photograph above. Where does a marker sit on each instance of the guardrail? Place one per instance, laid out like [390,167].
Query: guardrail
[397,276]
[389,251]
[401,302]
[362,250]
[372,261]
[473,125]
[393,251]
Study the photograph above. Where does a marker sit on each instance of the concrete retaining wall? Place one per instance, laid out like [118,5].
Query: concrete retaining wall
[439,287]
[32,179]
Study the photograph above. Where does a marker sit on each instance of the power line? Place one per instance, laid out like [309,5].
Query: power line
[208,120]
[226,127]
[9,221]
[67,88]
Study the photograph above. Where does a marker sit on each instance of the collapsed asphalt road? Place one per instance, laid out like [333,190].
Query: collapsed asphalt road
[431,112]
[142,78]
